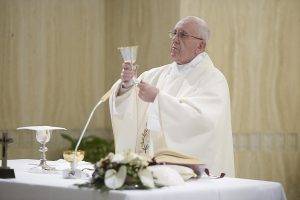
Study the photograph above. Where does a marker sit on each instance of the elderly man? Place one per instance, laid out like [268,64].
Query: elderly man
[184,106]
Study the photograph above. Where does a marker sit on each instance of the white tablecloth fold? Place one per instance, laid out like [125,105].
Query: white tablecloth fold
[36,186]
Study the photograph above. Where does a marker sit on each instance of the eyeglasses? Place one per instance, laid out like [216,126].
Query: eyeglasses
[181,35]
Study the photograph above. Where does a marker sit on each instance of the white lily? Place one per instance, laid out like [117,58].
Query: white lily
[146,178]
[165,176]
[114,179]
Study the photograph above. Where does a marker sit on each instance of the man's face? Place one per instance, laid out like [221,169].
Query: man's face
[184,49]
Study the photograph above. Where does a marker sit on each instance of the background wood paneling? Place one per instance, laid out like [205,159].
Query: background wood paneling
[52,62]
[58,57]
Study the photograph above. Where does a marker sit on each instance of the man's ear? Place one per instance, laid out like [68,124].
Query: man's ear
[201,46]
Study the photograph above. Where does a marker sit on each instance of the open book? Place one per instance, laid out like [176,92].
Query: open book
[173,157]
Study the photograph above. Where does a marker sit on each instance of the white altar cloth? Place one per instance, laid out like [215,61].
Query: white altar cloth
[33,186]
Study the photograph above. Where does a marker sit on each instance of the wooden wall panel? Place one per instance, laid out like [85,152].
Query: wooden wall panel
[52,62]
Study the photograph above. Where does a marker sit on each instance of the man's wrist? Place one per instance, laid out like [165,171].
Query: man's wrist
[127,84]
[124,87]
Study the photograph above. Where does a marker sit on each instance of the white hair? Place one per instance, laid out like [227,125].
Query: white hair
[202,27]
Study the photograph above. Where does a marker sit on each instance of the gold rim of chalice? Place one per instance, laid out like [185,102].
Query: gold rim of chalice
[68,155]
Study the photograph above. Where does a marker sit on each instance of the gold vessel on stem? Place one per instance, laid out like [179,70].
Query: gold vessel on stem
[68,155]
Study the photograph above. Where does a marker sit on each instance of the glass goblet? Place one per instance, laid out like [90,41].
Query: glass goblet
[43,136]
[129,55]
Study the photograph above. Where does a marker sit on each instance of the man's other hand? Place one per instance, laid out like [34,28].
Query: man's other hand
[147,92]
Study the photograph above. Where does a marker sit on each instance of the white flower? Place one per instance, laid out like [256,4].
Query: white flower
[146,178]
[129,156]
[139,162]
[114,179]
[118,158]
[109,156]
[99,164]
[165,176]
[115,175]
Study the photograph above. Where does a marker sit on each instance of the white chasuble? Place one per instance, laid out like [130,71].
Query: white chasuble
[191,114]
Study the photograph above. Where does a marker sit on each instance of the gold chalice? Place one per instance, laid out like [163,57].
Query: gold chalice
[69,155]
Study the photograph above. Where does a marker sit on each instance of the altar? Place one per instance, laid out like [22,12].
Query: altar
[42,186]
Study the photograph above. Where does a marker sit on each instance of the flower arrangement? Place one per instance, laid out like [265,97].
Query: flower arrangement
[126,170]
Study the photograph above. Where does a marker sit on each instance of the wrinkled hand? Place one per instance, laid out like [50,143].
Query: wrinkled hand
[127,74]
[147,92]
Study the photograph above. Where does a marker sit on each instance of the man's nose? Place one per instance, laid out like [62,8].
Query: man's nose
[175,38]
